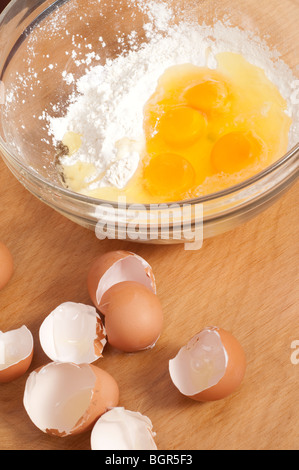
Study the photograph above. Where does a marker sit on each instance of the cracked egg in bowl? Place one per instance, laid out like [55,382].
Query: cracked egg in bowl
[152,104]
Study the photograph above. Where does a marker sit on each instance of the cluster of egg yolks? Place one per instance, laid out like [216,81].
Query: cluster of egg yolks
[205,130]
[174,131]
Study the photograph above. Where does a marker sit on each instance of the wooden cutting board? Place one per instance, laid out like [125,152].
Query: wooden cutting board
[243,281]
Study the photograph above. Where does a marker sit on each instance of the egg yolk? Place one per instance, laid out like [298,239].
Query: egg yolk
[205,130]
[181,126]
[232,152]
[169,174]
[207,95]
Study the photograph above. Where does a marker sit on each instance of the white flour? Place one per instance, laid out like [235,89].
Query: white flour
[108,110]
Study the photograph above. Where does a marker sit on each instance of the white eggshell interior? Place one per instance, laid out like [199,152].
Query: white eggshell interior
[58,395]
[15,346]
[69,333]
[132,268]
[121,429]
[200,364]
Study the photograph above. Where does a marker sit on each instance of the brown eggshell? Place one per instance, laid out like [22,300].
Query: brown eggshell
[102,264]
[51,389]
[105,396]
[17,370]
[234,374]
[19,367]
[133,316]
[6,265]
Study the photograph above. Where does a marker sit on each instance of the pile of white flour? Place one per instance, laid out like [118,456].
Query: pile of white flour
[107,110]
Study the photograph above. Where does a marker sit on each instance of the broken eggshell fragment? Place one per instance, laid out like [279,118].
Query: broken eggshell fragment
[16,352]
[121,429]
[73,332]
[64,399]
[210,367]
[114,267]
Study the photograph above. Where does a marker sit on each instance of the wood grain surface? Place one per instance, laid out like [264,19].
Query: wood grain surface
[245,281]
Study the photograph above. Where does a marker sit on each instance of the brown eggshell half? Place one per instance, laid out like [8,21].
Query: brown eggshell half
[117,266]
[210,367]
[59,393]
[133,316]
[24,347]
[234,374]
[73,332]
[105,397]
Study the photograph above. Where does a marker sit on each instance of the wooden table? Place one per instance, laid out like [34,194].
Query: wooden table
[243,281]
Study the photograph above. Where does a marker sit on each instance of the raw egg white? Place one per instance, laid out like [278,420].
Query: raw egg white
[210,367]
[64,399]
[16,353]
[6,265]
[133,316]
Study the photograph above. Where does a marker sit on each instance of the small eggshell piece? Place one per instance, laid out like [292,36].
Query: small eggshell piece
[6,265]
[114,267]
[210,367]
[73,332]
[121,429]
[65,399]
[133,316]
[16,352]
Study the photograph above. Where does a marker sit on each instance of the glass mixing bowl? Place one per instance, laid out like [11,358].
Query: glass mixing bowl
[37,38]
